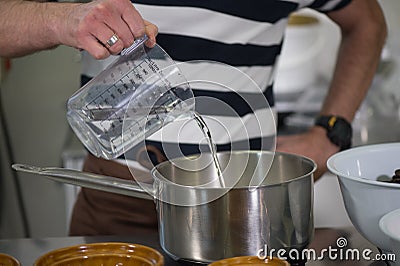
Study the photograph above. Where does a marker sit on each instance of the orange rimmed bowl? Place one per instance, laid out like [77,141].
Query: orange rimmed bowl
[102,254]
[250,260]
[8,260]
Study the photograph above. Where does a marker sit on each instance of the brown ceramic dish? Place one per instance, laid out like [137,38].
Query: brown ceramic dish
[7,260]
[102,254]
[250,260]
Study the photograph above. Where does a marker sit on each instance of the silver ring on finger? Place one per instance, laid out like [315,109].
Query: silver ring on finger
[113,40]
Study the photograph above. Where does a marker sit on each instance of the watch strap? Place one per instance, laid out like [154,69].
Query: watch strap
[339,130]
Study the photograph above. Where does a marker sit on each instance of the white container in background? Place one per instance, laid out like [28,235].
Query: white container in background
[298,67]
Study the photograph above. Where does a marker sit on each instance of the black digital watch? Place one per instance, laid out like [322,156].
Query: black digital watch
[338,130]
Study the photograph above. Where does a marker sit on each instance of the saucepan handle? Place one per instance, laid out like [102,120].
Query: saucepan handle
[90,180]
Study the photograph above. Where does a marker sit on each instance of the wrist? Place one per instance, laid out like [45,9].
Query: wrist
[56,21]
[338,130]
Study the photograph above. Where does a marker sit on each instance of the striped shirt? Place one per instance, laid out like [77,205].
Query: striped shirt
[234,46]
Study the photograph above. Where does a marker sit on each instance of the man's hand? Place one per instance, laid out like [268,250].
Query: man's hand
[313,144]
[89,26]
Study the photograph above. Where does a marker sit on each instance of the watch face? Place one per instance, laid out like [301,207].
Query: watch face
[341,134]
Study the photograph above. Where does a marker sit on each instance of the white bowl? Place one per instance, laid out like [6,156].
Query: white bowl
[367,200]
[389,224]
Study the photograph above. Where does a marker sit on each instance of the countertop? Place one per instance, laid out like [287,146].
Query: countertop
[342,246]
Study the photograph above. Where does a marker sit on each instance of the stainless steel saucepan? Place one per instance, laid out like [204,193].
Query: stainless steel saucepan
[268,202]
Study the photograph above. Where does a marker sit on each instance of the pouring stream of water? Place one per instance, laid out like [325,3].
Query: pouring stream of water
[213,148]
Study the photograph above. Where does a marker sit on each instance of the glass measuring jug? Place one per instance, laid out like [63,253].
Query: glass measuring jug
[136,95]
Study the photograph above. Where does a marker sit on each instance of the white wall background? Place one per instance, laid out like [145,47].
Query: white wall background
[34,95]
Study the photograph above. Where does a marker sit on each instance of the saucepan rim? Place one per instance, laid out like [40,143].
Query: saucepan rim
[159,177]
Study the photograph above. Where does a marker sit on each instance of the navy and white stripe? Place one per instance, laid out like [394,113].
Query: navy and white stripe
[247,35]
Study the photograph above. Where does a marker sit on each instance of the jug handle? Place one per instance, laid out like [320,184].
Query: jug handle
[90,180]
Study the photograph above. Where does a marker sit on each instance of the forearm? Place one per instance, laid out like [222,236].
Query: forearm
[358,57]
[27,27]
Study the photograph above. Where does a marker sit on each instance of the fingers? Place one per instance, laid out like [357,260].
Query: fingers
[108,39]
[114,32]
[132,18]
[124,21]
[151,32]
